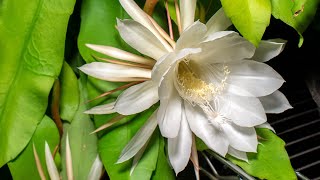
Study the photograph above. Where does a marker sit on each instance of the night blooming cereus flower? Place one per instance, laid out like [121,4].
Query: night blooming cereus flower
[211,83]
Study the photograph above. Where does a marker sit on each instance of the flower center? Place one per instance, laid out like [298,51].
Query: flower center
[199,92]
[196,90]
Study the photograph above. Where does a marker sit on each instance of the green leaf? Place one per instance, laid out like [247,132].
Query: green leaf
[163,170]
[83,145]
[24,165]
[115,139]
[249,17]
[297,14]
[32,37]
[69,97]
[98,21]
[271,161]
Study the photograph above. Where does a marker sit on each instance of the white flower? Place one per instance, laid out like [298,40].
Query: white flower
[212,83]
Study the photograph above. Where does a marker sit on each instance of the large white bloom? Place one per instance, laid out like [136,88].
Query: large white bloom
[211,82]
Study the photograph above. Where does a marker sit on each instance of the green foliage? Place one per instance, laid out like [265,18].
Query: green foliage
[69,95]
[249,17]
[271,161]
[83,145]
[24,165]
[297,14]
[32,37]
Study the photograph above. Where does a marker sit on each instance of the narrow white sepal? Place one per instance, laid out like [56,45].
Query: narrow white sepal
[137,157]
[96,169]
[115,72]
[120,54]
[139,139]
[140,16]
[187,9]
[51,166]
[102,109]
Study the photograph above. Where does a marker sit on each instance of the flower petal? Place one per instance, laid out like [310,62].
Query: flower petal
[222,47]
[241,138]
[179,148]
[238,154]
[102,109]
[243,111]
[275,103]
[170,110]
[141,39]
[187,9]
[139,139]
[251,78]
[115,72]
[218,22]
[137,98]
[266,125]
[193,35]
[268,49]
[201,127]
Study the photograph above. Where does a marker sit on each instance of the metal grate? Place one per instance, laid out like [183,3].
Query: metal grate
[299,128]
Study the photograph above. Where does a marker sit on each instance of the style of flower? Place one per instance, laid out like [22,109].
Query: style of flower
[211,83]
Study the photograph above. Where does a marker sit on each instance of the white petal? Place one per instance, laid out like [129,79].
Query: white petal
[241,138]
[192,36]
[169,61]
[170,110]
[115,72]
[218,22]
[238,154]
[187,9]
[141,39]
[251,78]
[102,109]
[137,157]
[266,125]
[268,49]
[120,54]
[51,166]
[139,139]
[222,47]
[201,127]
[179,148]
[243,111]
[137,98]
[275,103]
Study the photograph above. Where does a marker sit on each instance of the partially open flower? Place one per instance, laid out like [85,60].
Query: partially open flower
[212,83]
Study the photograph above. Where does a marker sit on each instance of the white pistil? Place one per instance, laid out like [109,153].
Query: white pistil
[121,54]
